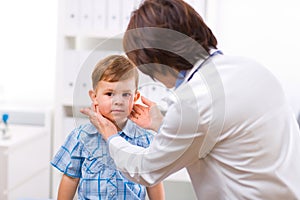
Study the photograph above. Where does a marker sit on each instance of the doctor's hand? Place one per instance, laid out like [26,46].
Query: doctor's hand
[103,125]
[148,117]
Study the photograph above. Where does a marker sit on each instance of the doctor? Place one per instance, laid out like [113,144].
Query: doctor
[229,124]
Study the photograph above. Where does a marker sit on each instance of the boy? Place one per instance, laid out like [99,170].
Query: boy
[84,158]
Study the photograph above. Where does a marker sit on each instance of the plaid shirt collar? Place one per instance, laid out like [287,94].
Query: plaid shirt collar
[128,130]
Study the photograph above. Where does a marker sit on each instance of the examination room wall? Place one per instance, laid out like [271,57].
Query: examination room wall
[27,74]
[267,31]
[27,51]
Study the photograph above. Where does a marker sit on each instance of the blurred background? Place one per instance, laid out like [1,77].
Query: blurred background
[44,44]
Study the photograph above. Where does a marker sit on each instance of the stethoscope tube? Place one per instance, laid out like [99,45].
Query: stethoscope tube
[206,59]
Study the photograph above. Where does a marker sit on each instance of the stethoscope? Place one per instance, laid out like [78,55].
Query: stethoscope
[182,73]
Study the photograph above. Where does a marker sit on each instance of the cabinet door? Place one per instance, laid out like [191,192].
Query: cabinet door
[3,173]
[27,167]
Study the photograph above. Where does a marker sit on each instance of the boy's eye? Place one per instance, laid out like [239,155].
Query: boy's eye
[109,94]
[127,95]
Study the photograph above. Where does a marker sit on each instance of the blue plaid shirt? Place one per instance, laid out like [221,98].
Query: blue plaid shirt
[85,155]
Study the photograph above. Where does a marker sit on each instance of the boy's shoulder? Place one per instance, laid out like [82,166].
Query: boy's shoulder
[83,129]
[88,128]
[88,132]
[91,140]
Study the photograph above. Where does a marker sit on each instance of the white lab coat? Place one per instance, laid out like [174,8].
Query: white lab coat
[237,109]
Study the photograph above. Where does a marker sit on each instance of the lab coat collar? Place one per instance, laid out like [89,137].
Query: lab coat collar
[188,73]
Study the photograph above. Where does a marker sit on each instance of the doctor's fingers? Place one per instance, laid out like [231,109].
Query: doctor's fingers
[134,114]
[95,118]
[94,107]
[87,111]
[147,101]
[92,114]
[140,109]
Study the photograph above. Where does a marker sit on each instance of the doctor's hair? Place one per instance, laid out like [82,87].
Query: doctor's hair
[114,68]
[175,15]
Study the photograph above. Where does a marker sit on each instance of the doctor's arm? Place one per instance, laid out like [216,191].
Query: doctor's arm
[175,146]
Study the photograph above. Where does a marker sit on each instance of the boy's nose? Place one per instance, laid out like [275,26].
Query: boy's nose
[118,99]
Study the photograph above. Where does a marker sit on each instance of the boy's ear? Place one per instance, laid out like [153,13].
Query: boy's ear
[92,95]
[137,96]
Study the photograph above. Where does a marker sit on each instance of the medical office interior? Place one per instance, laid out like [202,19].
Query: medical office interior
[46,47]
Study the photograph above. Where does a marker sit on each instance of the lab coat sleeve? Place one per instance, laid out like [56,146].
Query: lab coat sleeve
[175,146]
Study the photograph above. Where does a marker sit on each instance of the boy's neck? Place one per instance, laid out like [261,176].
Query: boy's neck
[120,125]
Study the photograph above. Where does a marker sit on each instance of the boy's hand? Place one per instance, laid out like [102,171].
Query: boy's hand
[148,117]
[105,127]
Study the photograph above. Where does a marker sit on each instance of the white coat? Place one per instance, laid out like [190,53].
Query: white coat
[233,130]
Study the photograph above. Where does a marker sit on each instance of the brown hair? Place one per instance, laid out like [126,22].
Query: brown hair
[114,68]
[175,15]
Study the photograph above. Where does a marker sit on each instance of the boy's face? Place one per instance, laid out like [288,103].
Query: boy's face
[115,100]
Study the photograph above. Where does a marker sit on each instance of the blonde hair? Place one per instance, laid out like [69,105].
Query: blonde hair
[114,68]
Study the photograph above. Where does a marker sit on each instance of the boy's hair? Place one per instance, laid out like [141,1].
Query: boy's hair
[114,68]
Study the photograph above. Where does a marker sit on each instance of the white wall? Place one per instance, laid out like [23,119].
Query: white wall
[267,31]
[27,51]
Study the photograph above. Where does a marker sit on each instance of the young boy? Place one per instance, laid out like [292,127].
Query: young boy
[84,158]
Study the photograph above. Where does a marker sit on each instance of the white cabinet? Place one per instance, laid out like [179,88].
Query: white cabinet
[24,168]
[88,30]
[25,156]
